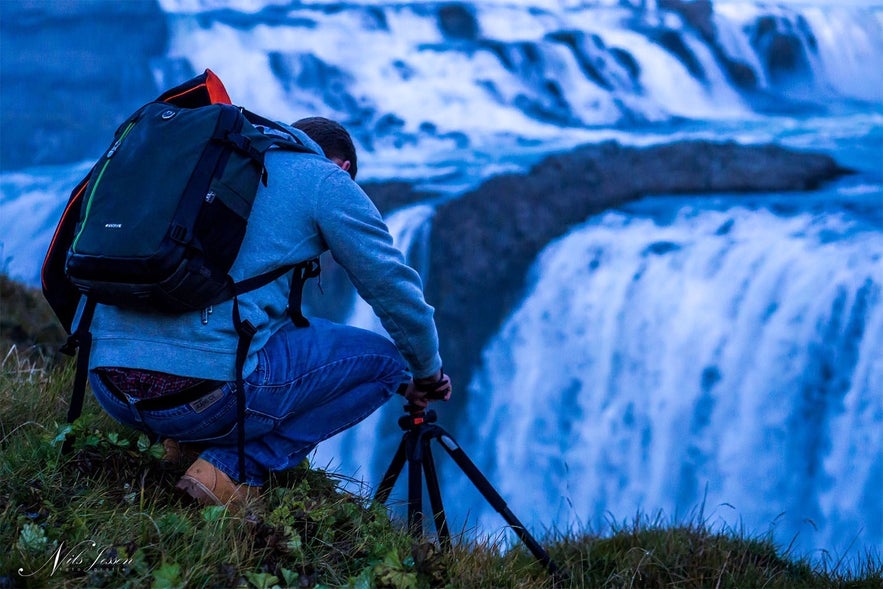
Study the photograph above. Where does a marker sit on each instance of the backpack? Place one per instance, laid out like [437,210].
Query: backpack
[159,220]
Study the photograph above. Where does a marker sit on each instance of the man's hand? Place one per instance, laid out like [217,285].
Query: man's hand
[421,391]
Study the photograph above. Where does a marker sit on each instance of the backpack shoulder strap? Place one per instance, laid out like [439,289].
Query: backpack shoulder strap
[303,271]
[246,331]
[289,141]
[81,338]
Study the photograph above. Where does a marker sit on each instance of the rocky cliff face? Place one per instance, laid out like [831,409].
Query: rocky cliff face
[483,243]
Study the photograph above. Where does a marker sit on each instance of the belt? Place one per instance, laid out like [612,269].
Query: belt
[172,400]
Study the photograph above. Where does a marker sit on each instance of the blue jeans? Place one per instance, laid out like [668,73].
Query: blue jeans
[310,383]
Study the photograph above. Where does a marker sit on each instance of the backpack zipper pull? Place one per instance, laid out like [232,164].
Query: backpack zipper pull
[116,144]
[205,313]
[113,148]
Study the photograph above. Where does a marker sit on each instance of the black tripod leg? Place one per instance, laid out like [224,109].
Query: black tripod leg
[392,472]
[422,460]
[415,488]
[496,501]
[435,498]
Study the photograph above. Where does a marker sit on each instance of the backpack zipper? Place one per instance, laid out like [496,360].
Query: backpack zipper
[110,152]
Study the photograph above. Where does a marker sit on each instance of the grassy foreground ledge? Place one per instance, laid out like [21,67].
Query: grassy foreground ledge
[105,515]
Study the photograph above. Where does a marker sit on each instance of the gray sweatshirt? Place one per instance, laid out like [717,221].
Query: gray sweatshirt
[308,207]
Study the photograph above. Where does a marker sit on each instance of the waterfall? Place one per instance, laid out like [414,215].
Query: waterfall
[720,358]
[832,41]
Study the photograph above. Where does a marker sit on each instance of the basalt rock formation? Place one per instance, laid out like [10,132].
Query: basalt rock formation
[483,243]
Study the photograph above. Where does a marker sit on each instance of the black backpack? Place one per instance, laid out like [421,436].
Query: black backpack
[158,221]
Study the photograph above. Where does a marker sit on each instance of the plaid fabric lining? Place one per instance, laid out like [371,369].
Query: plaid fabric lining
[147,384]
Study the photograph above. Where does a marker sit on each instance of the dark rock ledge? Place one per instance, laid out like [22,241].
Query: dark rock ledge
[483,243]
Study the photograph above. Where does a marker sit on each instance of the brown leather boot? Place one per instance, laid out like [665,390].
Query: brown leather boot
[177,454]
[211,486]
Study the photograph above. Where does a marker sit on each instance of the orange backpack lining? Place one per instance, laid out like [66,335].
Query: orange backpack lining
[213,87]
[75,201]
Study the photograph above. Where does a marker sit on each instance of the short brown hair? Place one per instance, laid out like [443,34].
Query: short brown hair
[332,137]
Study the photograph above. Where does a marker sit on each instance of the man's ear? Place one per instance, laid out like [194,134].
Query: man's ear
[344,165]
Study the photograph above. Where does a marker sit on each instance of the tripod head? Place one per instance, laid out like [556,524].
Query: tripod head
[416,417]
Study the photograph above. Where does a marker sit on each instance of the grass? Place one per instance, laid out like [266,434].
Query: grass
[105,515]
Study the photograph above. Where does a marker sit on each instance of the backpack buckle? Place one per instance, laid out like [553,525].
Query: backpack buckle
[178,234]
[70,346]
[243,144]
[240,142]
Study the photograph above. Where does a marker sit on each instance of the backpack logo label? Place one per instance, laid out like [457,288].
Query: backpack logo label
[113,225]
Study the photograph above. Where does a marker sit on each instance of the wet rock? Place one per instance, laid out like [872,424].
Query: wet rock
[483,243]
[699,14]
[456,21]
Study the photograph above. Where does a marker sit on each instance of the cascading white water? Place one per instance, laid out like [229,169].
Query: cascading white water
[729,358]
[838,48]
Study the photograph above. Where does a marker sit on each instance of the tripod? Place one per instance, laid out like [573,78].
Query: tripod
[420,429]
